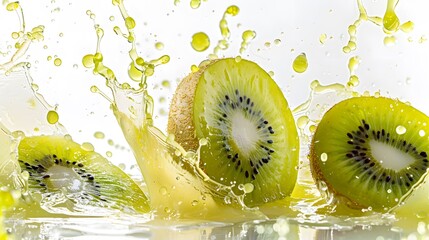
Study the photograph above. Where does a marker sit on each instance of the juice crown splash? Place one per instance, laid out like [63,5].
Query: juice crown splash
[170,172]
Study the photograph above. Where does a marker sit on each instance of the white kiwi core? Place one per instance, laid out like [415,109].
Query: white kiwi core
[390,157]
[244,133]
[64,177]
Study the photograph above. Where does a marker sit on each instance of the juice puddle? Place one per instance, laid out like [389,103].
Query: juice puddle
[174,173]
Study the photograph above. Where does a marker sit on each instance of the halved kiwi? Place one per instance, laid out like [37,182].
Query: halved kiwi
[371,151]
[252,141]
[68,176]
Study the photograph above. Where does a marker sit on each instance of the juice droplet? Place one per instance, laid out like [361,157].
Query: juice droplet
[15,35]
[390,20]
[52,117]
[163,190]
[12,6]
[324,157]
[400,129]
[130,23]
[87,146]
[195,4]
[422,133]
[94,89]
[353,65]
[233,10]
[247,36]
[277,41]
[389,41]
[302,122]
[248,188]
[99,135]
[203,141]
[353,81]
[134,73]
[300,63]
[200,41]
[109,154]
[166,83]
[407,27]
[159,45]
[224,30]
[58,62]
[390,23]
[88,61]
[194,68]
[322,38]
[35,87]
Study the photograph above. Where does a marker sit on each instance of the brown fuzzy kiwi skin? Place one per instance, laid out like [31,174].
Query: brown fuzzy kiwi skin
[181,110]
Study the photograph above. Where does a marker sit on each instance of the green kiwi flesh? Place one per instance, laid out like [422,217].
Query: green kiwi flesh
[371,151]
[251,135]
[63,170]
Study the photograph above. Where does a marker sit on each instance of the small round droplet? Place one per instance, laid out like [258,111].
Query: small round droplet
[163,191]
[165,83]
[302,122]
[300,64]
[159,45]
[122,166]
[322,38]
[52,117]
[87,146]
[99,135]
[58,62]
[400,129]
[203,141]
[324,157]
[200,41]
[248,188]
[422,133]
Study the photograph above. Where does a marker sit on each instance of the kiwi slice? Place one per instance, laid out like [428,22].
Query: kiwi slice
[252,141]
[371,151]
[62,170]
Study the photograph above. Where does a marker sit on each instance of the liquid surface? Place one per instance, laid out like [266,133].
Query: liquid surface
[156,153]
